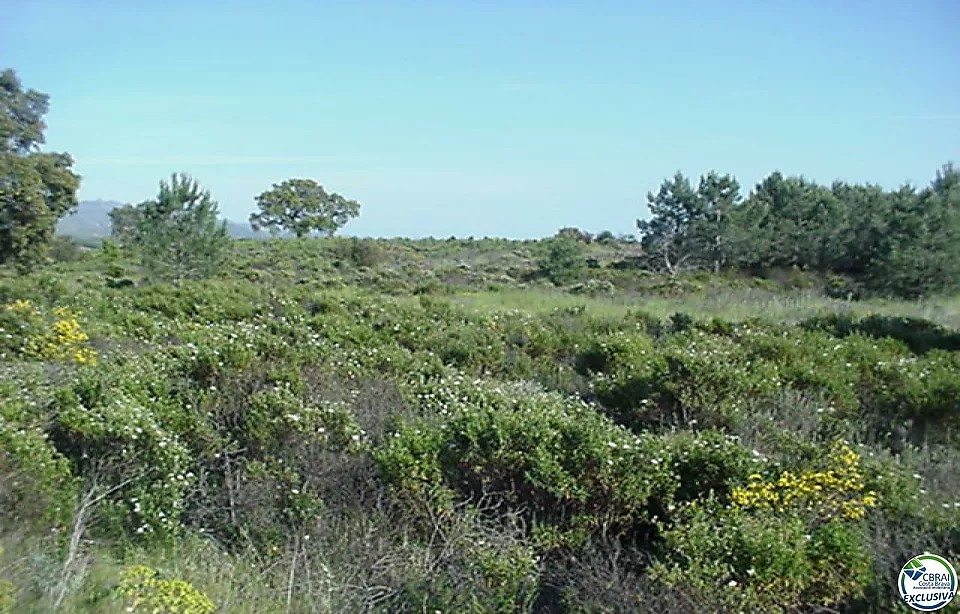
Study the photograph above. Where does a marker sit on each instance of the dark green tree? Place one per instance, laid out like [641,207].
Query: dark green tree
[302,206]
[36,189]
[920,253]
[718,195]
[686,229]
[178,234]
[786,222]
[668,237]
[862,235]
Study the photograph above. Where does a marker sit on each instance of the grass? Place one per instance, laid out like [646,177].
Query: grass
[733,305]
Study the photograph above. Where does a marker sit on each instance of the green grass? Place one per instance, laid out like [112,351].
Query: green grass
[734,305]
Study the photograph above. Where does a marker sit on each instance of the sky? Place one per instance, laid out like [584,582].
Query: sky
[495,118]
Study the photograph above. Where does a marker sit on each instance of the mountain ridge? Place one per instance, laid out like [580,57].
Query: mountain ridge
[91,220]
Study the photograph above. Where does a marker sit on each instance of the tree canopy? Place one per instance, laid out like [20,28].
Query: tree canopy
[686,230]
[302,206]
[904,242]
[36,189]
[178,234]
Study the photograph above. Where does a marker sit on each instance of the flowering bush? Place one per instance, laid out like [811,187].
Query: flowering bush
[39,336]
[836,491]
[146,591]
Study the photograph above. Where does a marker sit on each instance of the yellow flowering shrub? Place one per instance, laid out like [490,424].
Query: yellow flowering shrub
[835,492]
[146,592]
[58,338]
[21,305]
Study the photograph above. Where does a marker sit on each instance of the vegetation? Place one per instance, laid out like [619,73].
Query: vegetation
[302,206]
[901,243]
[705,421]
[177,235]
[36,188]
[419,432]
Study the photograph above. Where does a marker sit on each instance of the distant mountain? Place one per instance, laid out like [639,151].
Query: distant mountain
[91,220]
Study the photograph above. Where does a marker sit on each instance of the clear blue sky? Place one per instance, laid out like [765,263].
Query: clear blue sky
[509,118]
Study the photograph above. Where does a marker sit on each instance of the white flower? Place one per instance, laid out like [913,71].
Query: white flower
[732,583]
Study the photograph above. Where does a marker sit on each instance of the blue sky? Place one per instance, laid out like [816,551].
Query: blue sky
[489,118]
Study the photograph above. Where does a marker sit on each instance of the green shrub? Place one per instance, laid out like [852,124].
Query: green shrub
[918,334]
[763,562]
[359,252]
[553,457]
[147,591]
[38,485]
[562,260]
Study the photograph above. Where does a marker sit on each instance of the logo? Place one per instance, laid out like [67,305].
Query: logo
[927,582]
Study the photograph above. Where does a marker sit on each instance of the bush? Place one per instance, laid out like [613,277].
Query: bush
[36,335]
[65,249]
[554,458]
[562,260]
[593,287]
[763,562]
[359,252]
[146,591]
[918,334]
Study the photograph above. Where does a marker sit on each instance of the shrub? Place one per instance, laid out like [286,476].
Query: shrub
[359,252]
[561,260]
[148,592]
[555,458]
[37,483]
[918,334]
[65,249]
[763,562]
[36,335]
[837,491]
[593,287]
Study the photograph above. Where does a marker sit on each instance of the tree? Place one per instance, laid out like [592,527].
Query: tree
[687,227]
[302,206]
[178,234]
[920,250]
[123,224]
[36,189]
[861,238]
[786,221]
[665,236]
[718,195]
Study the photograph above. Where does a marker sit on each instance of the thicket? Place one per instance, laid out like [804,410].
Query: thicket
[244,447]
[904,242]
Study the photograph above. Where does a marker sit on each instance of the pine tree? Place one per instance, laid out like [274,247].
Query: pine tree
[178,234]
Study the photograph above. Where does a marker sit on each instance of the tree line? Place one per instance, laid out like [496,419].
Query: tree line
[178,234]
[904,242]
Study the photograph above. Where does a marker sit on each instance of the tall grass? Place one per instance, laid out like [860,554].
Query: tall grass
[727,304]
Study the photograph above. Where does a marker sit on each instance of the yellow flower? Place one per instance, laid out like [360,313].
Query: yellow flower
[20,305]
[836,491]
